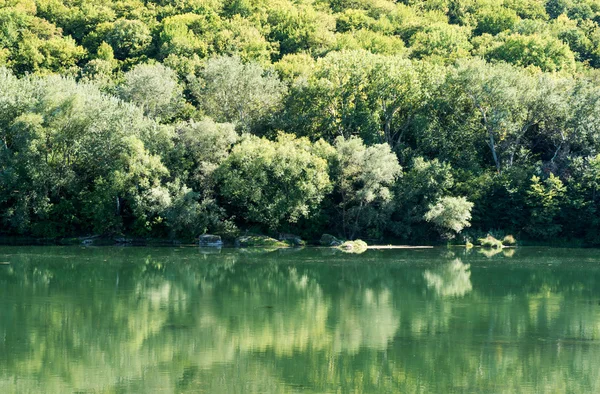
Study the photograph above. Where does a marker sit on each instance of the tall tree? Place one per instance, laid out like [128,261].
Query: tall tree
[236,92]
[274,182]
[363,176]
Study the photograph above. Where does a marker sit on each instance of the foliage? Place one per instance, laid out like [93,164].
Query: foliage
[544,199]
[363,176]
[422,184]
[231,91]
[441,42]
[450,214]
[509,240]
[200,148]
[490,242]
[273,182]
[128,38]
[356,247]
[154,88]
[547,53]
[144,118]
[356,93]
[75,158]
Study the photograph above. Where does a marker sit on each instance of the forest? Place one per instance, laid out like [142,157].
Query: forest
[403,121]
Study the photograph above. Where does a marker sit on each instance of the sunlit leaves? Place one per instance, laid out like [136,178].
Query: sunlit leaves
[450,214]
[242,93]
[274,182]
[363,176]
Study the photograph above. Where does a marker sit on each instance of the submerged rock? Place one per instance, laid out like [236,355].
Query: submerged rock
[210,241]
[209,249]
[330,240]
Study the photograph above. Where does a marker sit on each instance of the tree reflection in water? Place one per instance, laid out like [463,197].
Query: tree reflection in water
[178,320]
[451,279]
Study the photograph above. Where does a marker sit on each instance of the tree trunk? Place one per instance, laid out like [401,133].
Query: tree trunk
[355,227]
[492,145]
[491,142]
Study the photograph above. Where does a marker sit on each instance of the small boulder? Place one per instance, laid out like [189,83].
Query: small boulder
[211,241]
[330,240]
[357,247]
[258,241]
[291,239]
[90,240]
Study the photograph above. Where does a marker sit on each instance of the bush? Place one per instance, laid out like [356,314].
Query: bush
[450,215]
[274,182]
[357,247]
[490,242]
[509,240]
[261,241]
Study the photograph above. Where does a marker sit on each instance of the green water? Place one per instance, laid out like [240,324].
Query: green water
[145,320]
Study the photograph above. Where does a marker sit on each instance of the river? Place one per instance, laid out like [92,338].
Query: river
[186,320]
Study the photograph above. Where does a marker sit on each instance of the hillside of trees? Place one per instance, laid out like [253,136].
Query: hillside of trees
[387,120]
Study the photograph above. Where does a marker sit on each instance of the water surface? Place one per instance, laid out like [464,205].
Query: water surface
[148,320]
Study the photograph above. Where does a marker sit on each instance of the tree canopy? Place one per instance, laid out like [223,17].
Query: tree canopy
[360,118]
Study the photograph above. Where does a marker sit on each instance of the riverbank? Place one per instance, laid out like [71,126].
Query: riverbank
[381,247]
[27,241]
[164,242]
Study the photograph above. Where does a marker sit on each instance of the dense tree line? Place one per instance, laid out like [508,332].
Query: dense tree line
[372,118]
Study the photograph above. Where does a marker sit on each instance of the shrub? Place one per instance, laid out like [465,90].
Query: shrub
[509,240]
[358,246]
[490,242]
[259,241]
[450,215]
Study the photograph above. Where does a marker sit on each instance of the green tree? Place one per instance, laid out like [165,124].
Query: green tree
[34,45]
[356,93]
[190,214]
[425,182]
[128,38]
[547,53]
[507,103]
[333,100]
[236,92]
[273,182]
[441,42]
[450,215]
[495,20]
[187,35]
[299,27]
[75,160]
[544,200]
[399,92]
[363,177]
[154,88]
[200,148]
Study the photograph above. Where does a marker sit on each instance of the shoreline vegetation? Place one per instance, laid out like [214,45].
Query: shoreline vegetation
[249,241]
[403,122]
[210,244]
